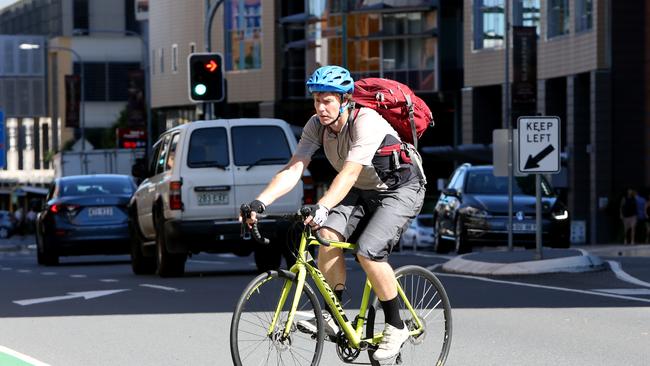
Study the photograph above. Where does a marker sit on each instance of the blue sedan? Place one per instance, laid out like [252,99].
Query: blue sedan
[84,215]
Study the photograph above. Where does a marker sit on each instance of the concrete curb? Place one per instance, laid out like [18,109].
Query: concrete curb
[576,263]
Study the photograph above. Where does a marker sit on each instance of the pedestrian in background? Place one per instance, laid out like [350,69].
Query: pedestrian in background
[628,214]
[641,218]
[19,216]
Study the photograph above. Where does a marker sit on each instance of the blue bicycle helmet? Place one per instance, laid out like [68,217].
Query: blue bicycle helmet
[334,79]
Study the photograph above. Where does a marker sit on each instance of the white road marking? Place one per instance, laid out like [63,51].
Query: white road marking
[586,292]
[625,291]
[165,288]
[108,280]
[206,262]
[71,295]
[48,273]
[22,357]
[623,276]
[78,276]
[6,268]
[25,270]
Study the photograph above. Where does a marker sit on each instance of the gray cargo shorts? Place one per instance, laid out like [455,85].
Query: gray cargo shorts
[375,220]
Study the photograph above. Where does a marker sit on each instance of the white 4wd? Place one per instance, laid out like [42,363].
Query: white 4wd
[198,176]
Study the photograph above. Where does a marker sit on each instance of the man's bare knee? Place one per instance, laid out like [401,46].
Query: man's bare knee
[330,234]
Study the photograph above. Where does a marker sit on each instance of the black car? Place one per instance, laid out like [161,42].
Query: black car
[473,209]
[84,215]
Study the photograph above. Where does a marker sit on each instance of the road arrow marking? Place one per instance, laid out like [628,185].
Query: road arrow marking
[71,295]
[533,162]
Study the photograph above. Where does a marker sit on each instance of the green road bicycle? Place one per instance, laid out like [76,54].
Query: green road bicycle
[264,325]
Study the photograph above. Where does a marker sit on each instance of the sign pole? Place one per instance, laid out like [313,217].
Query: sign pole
[538,216]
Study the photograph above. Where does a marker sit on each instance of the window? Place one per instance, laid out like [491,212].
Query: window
[484,182]
[80,15]
[174,58]
[558,18]
[260,145]
[171,157]
[154,158]
[106,81]
[526,13]
[160,162]
[489,24]
[94,187]
[208,148]
[192,47]
[584,14]
[152,62]
[161,58]
[244,34]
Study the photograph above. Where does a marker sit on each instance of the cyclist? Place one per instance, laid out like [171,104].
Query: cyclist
[377,192]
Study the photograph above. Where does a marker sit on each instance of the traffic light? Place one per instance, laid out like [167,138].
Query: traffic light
[205,76]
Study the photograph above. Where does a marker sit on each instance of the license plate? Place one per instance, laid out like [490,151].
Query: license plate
[523,227]
[100,211]
[212,198]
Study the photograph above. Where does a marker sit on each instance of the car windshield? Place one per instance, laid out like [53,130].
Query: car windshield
[92,188]
[484,182]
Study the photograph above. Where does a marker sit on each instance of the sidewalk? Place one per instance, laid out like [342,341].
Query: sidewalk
[521,262]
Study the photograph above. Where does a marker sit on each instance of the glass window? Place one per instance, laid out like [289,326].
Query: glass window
[260,145]
[154,158]
[171,156]
[526,13]
[558,17]
[244,41]
[584,14]
[489,24]
[160,162]
[208,148]
[80,15]
[88,187]
[484,182]
[161,59]
[174,58]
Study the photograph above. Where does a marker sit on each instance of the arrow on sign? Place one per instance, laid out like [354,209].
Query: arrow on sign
[533,162]
[71,295]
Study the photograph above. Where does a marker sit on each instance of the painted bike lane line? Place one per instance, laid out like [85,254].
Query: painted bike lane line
[9,357]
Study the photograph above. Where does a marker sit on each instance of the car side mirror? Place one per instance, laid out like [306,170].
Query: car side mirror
[139,169]
[451,192]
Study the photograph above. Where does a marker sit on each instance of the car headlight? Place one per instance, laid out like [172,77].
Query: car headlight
[475,212]
[560,215]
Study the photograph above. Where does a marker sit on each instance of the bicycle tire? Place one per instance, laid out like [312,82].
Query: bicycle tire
[253,316]
[429,298]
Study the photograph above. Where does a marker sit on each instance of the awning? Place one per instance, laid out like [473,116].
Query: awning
[35,190]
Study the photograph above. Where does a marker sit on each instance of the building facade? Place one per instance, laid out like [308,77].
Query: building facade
[591,72]
[62,35]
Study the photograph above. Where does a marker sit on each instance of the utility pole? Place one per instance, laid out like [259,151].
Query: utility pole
[208,107]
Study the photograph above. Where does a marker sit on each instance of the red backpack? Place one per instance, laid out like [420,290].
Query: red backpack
[396,102]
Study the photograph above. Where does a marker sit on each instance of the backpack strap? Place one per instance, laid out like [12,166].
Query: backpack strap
[409,105]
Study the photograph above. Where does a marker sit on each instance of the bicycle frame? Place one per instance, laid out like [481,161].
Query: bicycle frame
[352,331]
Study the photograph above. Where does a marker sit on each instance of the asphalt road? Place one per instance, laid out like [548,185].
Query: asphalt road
[598,318]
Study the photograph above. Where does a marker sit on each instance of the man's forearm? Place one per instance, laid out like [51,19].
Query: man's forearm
[343,182]
[282,182]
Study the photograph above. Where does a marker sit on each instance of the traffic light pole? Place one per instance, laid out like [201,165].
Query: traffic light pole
[208,107]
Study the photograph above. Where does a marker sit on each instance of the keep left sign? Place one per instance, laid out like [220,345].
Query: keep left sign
[539,144]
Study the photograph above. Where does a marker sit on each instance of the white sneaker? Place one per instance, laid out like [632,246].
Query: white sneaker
[329,324]
[391,342]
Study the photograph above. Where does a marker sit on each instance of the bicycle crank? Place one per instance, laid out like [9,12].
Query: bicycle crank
[346,353]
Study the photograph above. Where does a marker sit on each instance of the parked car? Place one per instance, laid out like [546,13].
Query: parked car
[198,176]
[419,234]
[473,209]
[84,214]
[7,226]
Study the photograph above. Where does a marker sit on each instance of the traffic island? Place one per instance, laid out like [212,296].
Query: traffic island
[523,262]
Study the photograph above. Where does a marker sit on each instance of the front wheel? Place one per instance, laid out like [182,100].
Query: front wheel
[253,341]
[429,301]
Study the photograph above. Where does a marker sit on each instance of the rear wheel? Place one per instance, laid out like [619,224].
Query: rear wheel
[429,300]
[140,264]
[253,342]
[167,264]
[44,254]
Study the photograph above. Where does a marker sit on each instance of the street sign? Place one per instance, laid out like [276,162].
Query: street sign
[3,155]
[539,144]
